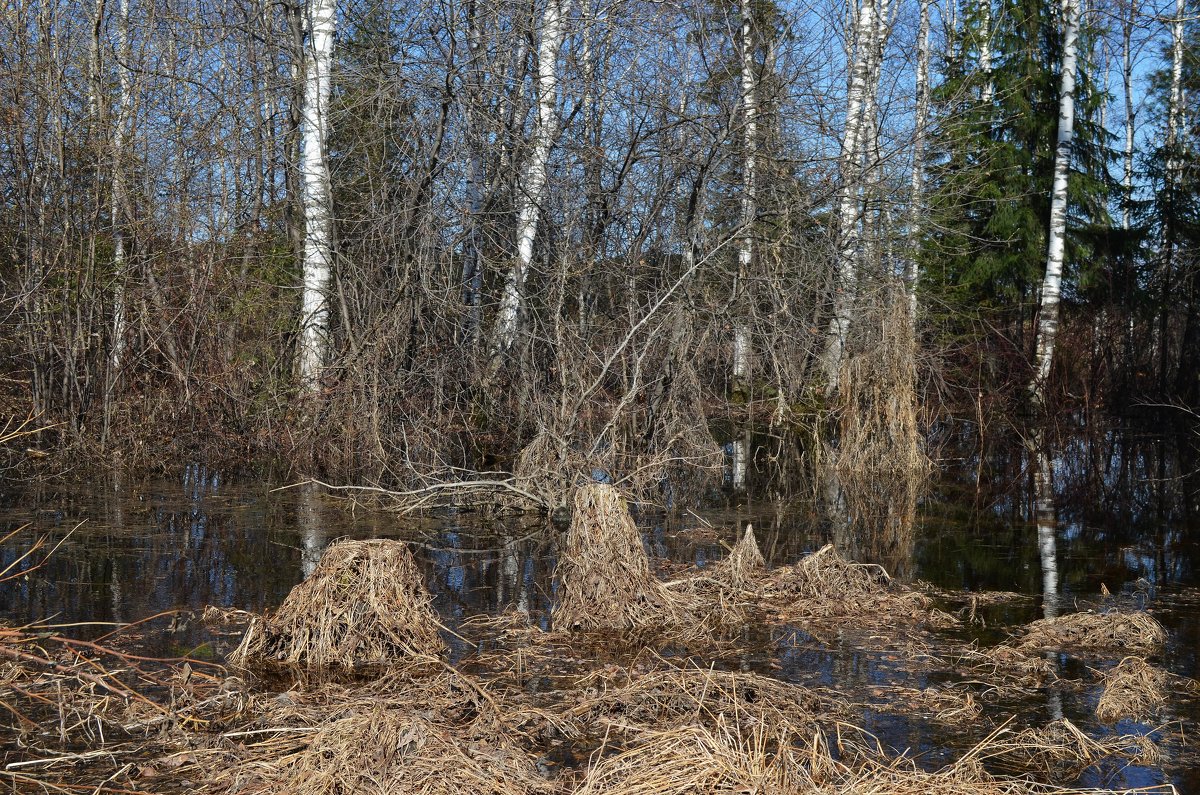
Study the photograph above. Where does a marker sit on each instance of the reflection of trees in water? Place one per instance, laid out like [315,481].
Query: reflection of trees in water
[1047,526]
[311,527]
[1046,518]
[1126,500]
[873,520]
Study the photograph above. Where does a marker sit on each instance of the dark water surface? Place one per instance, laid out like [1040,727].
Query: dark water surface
[1125,516]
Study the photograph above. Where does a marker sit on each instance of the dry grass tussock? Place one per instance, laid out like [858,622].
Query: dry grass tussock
[743,566]
[376,749]
[671,696]
[693,759]
[1131,632]
[606,581]
[1060,751]
[825,585]
[1004,668]
[364,605]
[1133,689]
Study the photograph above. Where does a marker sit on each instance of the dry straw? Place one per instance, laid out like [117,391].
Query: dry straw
[1132,632]
[744,565]
[365,605]
[693,759]
[1060,751]
[1133,689]
[825,585]
[670,696]
[605,577]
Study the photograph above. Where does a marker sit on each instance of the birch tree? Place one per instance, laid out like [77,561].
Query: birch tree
[1052,282]
[749,96]
[317,193]
[921,122]
[531,185]
[859,99]
[119,198]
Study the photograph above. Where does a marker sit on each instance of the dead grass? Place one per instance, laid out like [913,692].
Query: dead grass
[365,605]
[950,705]
[605,577]
[693,759]
[1060,751]
[669,696]
[1130,632]
[1004,667]
[824,585]
[1133,689]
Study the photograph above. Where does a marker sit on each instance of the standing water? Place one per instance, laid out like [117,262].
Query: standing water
[1105,521]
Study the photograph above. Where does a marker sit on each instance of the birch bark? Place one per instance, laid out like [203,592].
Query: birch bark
[849,210]
[119,198]
[531,186]
[1127,81]
[985,51]
[1052,282]
[317,195]
[917,199]
[741,328]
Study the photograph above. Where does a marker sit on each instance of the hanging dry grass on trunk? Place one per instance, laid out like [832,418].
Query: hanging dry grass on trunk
[1134,689]
[364,605]
[604,573]
[879,438]
[1131,632]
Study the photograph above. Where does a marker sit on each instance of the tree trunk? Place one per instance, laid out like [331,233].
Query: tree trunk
[318,210]
[119,199]
[985,51]
[1127,80]
[1174,174]
[531,186]
[476,173]
[741,326]
[917,200]
[1052,283]
[849,211]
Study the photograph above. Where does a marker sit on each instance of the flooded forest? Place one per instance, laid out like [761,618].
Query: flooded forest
[600,397]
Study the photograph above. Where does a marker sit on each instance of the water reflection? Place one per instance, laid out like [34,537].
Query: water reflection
[1047,525]
[1056,521]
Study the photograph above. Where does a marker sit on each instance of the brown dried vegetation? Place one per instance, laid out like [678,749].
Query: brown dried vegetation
[364,605]
[1131,632]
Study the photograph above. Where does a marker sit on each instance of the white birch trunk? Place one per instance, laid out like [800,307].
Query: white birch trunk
[119,198]
[1047,526]
[1052,283]
[531,187]
[1175,110]
[849,210]
[1127,80]
[917,200]
[741,329]
[476,174]
[317,194]
[985,51]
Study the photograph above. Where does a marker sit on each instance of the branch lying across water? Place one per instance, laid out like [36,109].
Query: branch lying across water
[435,495]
